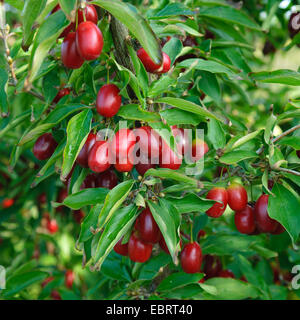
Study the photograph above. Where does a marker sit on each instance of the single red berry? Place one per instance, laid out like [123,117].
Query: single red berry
[237,197]
[44,146]
[166,65]
[42,199]
[270,184]
[82,158]
[169,159]
[201,234]
[212,266]
[262,218]
[199,149]
[279,229]
[123,143]
[191,258]
[98,159]
[89,40]
[221,171]
[124,164]
[90,181]
[52,226]
[107,179]
[218,194]
[147,227]
[138,250]
[148,63]
[226,274]
[245,221]
[142,168]
[149,142]
[69,54]
[61,93]
[90,13]
[7,203]
[69,278]
[108,100]
[55,295]
[120,248]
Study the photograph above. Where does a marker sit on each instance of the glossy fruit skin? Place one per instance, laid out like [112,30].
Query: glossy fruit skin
[217,209]
[199,149]
[52,226]
[89,40]
[125,166]
[121,249]
[211,266]
[169,159]
[107,179]
[69,278]
[237,197]
[138,250]
[82,158]
[191,258]
[226,274]
[148,229]
[61,93]
[108,100]
[245,221]
[90,181]
[148,63]
[7,203]
[122,144]
[90,14]
[166,65]
[69,54]
[44,146]
[98,159]
[143,168]
[279,229]
[262,218]
[149,142]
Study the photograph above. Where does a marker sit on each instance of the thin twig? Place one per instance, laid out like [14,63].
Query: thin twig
[296,173]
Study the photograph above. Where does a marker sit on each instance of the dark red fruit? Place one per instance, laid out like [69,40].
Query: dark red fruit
[245,221]
[120,248]
[90,181]
[226,274]
[199,149]
[147,227]
[262,218]
[191,258]
[298,153]
[108,100]
[98,159]
[46,281]
[237,197]
[55,295]
[201,234]
[69,278]
[82,158]
[149,142]
[138,250]
[169,159]
[166,65]
[163,245]
[63,193]
[122,144]
[279,229]
[148,63]
[44,146]
[42,198]
[294,24]
[126,165]
[217,209]
[52,226]
[212,266]
[89,40]
[69,54]
[61,93]
[90,14]
[142,168]
[7,203]
[78,216]
[107,179]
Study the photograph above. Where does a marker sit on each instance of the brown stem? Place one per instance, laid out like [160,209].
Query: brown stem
[286,133]
[296,173]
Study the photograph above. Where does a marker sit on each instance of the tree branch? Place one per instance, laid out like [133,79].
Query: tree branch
[296,173]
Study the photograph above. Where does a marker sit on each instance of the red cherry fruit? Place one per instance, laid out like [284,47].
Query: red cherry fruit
[120,248]
[44,146]
[212,266]
[52,226]
[89,40]
[108,100]
[126,165]
[90,14]
[218,194]
[191,258]
[42,198]
[201,234]
[142,168]
[262,218]
[61,93]
[149,142]
[237,197]
[138,250]
[82,158]
[169,159]
[107,179]
[199,149]
[69,278]
[98,159]
[55,295]
[279,229]
[226,274]
[148,63]
[122,144]
[166,65]
[90,181]
[69,54]
[147,227]
[7,203]
[245,221]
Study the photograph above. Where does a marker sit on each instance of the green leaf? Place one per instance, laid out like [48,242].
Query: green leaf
[116,227]
[86,197]
[232,289]
[161,86]
[114,200]
[173,9]
[282,76]
[78,130]
[151,268]
[293,142]
[216,134]
[269,127]
[188,106]
[284,207]
[177,116]
[135,112]
[208,83]
[177,280]
[137,25]
[15,121]
[245,139]
[236,156]
[173,48]
[3,95]
[191,203]
[67,6]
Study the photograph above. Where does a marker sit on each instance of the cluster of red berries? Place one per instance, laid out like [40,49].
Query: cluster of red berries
[248,220]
